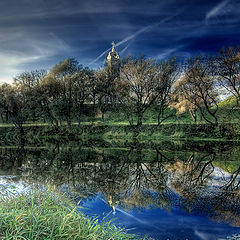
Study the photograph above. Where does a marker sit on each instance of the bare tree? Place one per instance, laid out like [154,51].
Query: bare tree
[82,82]
[144,82]
[30,79]
[228,70]
[169,72]
[104,90]
[197,88]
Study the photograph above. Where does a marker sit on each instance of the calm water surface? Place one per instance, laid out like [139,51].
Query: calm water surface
[166,190]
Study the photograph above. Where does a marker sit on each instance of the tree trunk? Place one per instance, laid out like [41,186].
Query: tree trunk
[193,115]
[103,116]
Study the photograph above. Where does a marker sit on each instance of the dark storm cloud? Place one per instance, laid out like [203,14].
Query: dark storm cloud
[40,33]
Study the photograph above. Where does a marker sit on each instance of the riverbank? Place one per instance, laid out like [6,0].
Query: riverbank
[36,134]
[50,215]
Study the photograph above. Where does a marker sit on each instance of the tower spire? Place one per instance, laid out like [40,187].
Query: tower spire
[113,46]
[113,61]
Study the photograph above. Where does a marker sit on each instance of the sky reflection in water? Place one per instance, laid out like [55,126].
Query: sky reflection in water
[160,223]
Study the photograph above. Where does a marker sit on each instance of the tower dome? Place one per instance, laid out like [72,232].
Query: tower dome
[113,61]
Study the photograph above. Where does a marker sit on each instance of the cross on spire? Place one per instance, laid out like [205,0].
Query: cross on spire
[113,46]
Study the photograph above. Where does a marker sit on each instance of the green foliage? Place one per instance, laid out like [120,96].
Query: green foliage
[46,214]
[230,166]
[228,103]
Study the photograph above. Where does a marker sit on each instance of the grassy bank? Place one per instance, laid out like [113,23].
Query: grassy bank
[37,135]
[49,215]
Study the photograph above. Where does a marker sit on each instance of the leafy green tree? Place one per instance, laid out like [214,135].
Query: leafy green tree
[16,104]
[48,95]
[5,93]
[63,75]
[28,82]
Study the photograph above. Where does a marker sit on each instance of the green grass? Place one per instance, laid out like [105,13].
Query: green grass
[116,126]
[228,103]
[230,166]
[117,117]
[50,215]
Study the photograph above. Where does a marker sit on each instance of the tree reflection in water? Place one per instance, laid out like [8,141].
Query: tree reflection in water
[134,176]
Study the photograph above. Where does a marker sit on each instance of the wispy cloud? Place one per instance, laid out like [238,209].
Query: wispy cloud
[202,236]
[135,218]
[101,55]
[15,57]
[124,50]
[165,54]
[145,29]
[51,9]
[132,36]
[40,33]
[9,66]
[217,10]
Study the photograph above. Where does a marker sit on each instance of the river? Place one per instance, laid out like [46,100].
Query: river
[164,190]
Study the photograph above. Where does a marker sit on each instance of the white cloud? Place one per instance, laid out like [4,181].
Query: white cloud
[219,9]
[23,50]
[9,65]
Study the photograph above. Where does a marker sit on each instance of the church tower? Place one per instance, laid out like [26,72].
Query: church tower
[113,62]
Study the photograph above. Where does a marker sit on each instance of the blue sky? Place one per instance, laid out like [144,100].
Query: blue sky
[36,34]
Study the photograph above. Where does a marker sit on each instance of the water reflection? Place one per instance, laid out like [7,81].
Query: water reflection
[165,181]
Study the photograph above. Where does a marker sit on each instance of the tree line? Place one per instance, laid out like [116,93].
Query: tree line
[62,93]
